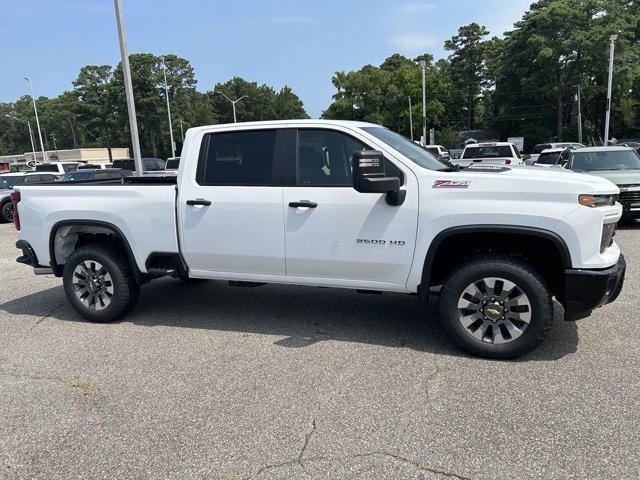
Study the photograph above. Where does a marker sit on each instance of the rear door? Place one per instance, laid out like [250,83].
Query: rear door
[334,234]
[230,209]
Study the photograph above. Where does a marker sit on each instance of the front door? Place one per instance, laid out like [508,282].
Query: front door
[231,212]
[336,233]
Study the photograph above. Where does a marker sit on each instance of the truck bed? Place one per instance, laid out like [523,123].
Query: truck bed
[142,210]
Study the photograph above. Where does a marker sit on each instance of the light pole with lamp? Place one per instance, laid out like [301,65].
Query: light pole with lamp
[612,48]
[233,104]
[35,109]
[166,94]
[128,89]
[423,65]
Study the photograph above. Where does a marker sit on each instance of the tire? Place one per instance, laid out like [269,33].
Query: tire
[116,288]
[512,325]
[6,212]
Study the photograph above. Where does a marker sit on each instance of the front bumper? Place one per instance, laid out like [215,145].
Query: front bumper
[589,289]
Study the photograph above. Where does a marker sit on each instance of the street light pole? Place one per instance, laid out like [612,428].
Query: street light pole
[233,104]
[578,95]
[33,145]
[410,120]
[423,65]
[181,128]
[612,48]
[128,88]
[166,93]
[55,146]
[35,109]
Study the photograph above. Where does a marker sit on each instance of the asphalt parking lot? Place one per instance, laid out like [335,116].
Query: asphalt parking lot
[210,381]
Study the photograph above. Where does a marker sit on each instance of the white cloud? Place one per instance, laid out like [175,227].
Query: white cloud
[406,25]
[413,42]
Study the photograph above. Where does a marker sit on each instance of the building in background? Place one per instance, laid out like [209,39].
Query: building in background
[96,156]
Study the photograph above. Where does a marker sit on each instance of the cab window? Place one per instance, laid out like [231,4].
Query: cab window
[324,158]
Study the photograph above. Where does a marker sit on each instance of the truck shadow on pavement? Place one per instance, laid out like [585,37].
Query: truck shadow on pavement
[302,315]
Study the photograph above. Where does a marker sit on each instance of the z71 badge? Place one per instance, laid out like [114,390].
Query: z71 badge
[451,184]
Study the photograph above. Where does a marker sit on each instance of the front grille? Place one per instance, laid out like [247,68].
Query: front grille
[608,232]
[627,198]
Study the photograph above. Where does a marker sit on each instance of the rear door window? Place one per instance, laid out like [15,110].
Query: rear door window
[237,158]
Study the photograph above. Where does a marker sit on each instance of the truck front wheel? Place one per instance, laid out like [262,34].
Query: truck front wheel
[99,282]
[496,306]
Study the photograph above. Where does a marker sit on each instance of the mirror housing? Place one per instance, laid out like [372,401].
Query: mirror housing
[369,175]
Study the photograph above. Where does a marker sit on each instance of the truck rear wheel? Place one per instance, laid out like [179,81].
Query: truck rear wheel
[496,306]
[99,283]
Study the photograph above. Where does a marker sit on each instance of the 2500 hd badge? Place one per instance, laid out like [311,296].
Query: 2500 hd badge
[371,241]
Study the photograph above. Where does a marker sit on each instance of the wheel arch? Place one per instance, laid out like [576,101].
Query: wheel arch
[441,248]
[97,228]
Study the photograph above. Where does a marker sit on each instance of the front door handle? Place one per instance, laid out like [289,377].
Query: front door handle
[199,201]
[303,204]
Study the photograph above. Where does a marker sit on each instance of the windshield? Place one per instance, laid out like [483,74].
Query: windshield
[47,167]
[406,147]
[75,176]
[605,160]
[550,158]
[487,152]
[9,181]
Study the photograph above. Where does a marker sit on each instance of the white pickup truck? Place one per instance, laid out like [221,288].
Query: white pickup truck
[490,153]
[338,204]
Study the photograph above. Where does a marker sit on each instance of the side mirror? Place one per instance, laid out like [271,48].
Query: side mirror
[369,175]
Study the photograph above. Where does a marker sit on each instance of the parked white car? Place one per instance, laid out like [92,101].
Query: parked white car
[338,204]
[438,151]
[549,158]
[491,153]
[539,148]
[58,167]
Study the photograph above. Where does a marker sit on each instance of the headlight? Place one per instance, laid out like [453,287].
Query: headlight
[597,200]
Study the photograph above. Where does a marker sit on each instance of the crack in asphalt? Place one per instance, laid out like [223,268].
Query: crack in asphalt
[81,385]
[422,466]
[299,460]
[47,315]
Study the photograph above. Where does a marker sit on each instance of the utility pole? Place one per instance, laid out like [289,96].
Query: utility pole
[35,109]
[181,128]
[128,88]
[423,65]
[233,104]
[55,146]
[166,94]
[578,95]
[612,48]
[410,120]
[28,124]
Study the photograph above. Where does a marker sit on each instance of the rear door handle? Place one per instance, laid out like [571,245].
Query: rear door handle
[303,204]
[199,201]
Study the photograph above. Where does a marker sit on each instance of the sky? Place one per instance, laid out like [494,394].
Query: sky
[300,43]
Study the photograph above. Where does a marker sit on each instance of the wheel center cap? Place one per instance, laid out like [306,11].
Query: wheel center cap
[493,311]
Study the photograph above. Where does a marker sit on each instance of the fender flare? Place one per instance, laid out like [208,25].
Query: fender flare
[91,223]
[497,229]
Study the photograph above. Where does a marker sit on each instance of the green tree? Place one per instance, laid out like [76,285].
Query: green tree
[469,66]
[288,105]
